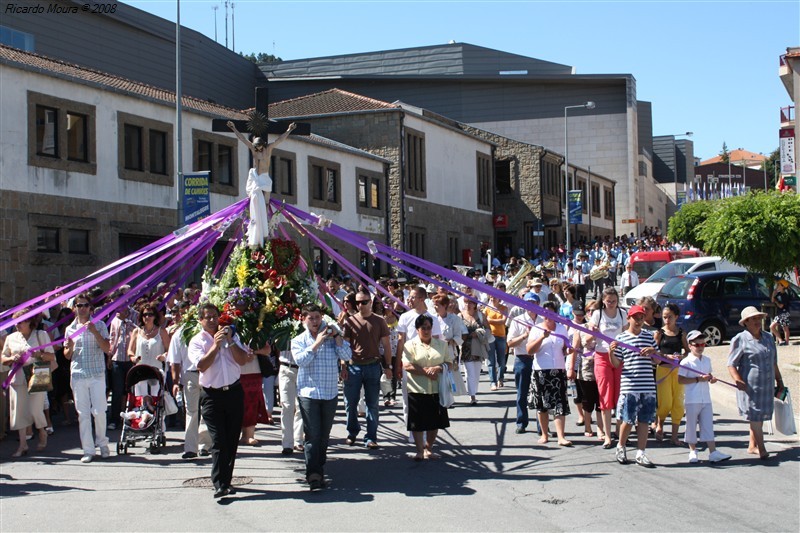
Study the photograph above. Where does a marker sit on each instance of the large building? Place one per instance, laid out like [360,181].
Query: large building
[518,97]
[87,173]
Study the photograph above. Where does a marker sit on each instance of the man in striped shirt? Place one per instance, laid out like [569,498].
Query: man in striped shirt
[637,399]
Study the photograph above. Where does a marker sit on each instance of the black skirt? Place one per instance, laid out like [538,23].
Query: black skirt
[425,413]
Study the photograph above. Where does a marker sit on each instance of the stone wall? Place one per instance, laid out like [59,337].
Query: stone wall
[26,272]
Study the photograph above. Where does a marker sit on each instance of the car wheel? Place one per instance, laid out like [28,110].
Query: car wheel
[713,332]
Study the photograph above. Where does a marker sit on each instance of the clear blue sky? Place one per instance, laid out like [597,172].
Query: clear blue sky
[710,67]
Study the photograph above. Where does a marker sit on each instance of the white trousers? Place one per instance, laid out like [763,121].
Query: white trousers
[196,433]
[473,369]
[703,414]
[90,401]
[291,420]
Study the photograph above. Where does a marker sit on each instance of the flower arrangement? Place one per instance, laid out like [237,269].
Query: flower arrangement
[260,294]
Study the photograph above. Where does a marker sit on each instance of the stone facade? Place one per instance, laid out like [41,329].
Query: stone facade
[25,271]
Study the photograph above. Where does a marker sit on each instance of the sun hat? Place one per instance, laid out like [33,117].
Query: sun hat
[531,297]
[749,312]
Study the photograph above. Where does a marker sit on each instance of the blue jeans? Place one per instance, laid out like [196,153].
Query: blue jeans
[368,376]
[497,359]
[523,367]
[317,423]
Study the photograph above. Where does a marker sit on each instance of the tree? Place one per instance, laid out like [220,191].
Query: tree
[724,155]
[772,163]
[261,57]
[760,231]
[684,226]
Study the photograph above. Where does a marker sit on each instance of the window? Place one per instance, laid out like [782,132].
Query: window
[47,240]
[595,200]
[46,131]
[484,173]
[225,165]
[78,241]
[584,197]
[502,177]
[145,149]
[416,242]
[77,141]
[158,152]
[17,39]
[453,250]
[216,154]
[642,168]
[61,134]
[284,177]
[133,147]
[324,186]
[415,163]
[608,202]
[368,192]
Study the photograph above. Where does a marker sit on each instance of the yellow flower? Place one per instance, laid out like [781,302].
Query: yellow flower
[241,274]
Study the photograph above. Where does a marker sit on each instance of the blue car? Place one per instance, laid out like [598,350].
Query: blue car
[712,302]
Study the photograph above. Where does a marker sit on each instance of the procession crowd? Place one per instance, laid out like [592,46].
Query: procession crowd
[631,371]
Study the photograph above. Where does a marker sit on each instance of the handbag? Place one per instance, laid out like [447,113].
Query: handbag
[170,405]
[784,415]
[446,387]
[39,377]
[460,386]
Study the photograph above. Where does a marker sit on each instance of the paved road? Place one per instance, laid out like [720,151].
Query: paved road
[490,479]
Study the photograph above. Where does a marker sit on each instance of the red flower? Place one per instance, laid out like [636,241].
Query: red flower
[225,319]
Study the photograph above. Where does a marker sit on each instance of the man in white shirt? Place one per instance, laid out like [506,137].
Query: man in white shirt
[219,358]
[523,362]
[186,378]
[628,280]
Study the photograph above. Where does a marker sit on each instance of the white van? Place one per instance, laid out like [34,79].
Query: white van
[676,268]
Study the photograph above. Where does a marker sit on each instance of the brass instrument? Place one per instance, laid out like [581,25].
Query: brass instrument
[600,272]
[518,281]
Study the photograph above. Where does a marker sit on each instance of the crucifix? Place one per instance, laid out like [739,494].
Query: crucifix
[259,182]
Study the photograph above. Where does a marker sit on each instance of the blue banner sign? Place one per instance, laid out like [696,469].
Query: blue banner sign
[681,198]
[575,207]
[196,203]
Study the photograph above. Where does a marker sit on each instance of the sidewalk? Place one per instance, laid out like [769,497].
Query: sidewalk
[788,363]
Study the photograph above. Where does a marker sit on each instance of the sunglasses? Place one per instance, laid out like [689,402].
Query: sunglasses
[698,344]
[148,314]
[362,302]
[81,306]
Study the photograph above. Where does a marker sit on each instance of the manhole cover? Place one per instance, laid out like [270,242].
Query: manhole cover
[205,482]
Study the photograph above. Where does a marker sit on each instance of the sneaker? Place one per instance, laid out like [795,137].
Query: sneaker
[716,456]
[693,456]
[519,430]
[188,455]
[111,426]
[622,456]
[642,460]
[87,458]
[49,430]
[105,453]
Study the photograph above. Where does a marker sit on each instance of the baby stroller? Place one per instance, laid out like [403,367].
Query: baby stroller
[143,418]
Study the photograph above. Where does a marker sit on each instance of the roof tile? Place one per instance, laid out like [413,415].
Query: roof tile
[326,102]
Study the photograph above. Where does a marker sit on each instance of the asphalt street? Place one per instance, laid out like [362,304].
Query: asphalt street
[488,479]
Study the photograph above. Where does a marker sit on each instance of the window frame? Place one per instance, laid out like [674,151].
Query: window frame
[595,199]
[484,181]
[217,140]
[375,178]
[414,152]
[327,167]
[278,179]
[144,174]
[608,203]
[61,160]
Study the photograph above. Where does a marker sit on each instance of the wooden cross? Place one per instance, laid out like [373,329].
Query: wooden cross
[262,106]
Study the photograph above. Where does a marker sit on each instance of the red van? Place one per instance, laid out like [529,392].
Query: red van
[645,263]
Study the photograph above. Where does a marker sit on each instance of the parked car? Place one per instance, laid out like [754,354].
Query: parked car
[712,302]
[646,263]
[653,285]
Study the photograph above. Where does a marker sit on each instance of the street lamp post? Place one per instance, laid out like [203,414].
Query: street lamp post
[587,105]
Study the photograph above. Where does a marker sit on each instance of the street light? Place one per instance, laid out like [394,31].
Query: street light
[587,105]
